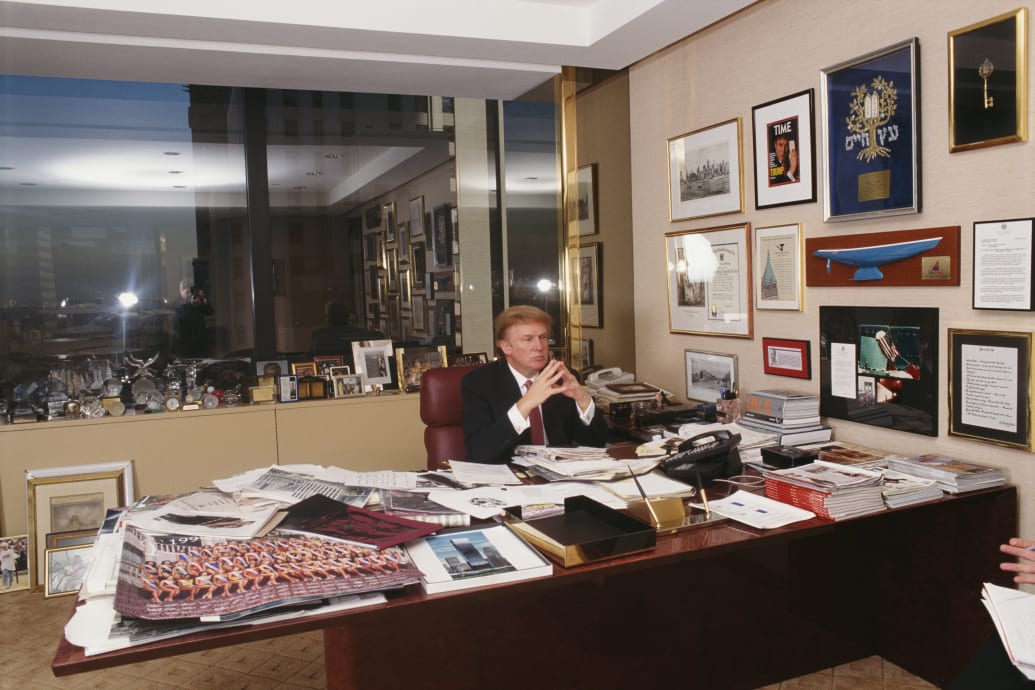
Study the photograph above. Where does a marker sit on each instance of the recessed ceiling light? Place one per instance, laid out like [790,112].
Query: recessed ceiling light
[179,186]
[175,172]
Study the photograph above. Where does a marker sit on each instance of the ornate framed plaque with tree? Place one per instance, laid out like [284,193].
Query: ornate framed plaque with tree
[871,107]
[709,281]
[990,379]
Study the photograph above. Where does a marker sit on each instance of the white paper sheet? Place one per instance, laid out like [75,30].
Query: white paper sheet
[758,511]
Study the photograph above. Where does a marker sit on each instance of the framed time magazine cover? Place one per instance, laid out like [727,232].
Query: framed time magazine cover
[704,172]
[871,110]
[709,281]
[785,150]
[990,386]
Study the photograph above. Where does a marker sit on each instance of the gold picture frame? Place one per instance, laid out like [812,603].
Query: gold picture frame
[412,362]
[705,172]
[71,498]
[65,569]
[988,82]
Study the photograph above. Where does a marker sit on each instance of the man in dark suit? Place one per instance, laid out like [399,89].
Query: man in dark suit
[502,399]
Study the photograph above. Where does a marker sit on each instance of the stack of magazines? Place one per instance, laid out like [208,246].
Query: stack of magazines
[830,491]
[902,489]
[952,475]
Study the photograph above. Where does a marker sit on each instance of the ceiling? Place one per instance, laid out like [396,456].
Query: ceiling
[491,49]
[495,49]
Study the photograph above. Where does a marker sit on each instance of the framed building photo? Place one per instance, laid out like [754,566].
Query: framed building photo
[778,274]
[63,499]
[785,150]
[412,362]
[1004,256]
[871,107]
[586,277]
[988,82]
[990,386]
[65,569]
[709,375]
[347,385]
[14,563]
[879,366]
[704,172]
[709,281]
[372,359]
[417,216]
[783,357]
[586,200]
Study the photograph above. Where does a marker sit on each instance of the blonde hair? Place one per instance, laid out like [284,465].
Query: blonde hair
[523,313]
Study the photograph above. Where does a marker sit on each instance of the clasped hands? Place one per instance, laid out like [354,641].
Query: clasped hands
[1025,569]
[554,379]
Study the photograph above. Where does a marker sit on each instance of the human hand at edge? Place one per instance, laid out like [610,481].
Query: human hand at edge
[1025,568]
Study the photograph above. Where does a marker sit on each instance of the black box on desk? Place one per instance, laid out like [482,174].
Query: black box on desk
[787,456]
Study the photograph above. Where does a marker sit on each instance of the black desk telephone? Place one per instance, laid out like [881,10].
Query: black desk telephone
[705,457]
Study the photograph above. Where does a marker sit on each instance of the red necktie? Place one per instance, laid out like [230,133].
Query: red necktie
[535,420]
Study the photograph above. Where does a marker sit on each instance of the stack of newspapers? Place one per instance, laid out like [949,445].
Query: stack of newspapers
[581,463]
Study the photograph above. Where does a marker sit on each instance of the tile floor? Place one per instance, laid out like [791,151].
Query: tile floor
[32,626]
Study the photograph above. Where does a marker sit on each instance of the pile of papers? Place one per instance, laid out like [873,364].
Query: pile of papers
[1013,613]
[902,489]
[580,463]
[830,491]
[952,476]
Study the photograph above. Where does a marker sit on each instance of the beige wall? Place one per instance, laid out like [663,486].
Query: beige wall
[181,451]
[777,48]
[603,126]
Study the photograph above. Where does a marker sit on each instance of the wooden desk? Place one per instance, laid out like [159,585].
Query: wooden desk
[723,606]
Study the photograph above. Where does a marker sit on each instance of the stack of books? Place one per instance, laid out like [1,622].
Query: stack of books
[952,476]
[830,491]
[794,417]
[902,489]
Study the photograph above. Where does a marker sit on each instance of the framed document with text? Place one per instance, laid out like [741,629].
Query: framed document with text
[778,270]
[1003,259]
[990,379]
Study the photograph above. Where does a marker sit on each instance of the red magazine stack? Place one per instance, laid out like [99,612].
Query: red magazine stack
[831,491]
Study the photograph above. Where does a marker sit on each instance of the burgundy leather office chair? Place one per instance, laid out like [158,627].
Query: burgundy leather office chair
[442,410]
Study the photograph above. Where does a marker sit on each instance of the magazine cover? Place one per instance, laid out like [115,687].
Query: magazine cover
[325,517]
[164,576]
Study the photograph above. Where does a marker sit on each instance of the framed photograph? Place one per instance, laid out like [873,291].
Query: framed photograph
[392,270]
[304,368]
[988,82]
[418,264]
[704,172]
[65,569]
[443,235]
[419,313]
[288,387]
[388,222]
[586,264]
[586,200]
[709,375]
[990,386]
[443,283]
[347,385]
[417,216]
[60,540]
[879,366]
[709,281]
[444,317]
[778,274]
[326,363]
[372,359]
[404,290]
[14,562]
[871,109]
[372,217]
[272,368]
[584,349]
[785,150]
[64,499]
[925,256]
[343,370]
[786,358]
[463,359]
[1003,258]
[412,362]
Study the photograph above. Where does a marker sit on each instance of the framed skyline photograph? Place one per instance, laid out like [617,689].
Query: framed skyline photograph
[784,357]
[988,82]
[879,366]
[63,499]
[990,386]
[709,281]
[586,200]
[1004,254]
[871,147]
[705,177]
[417,216]
[778,272]
[372,359]
[785,150]
[709,374]
[586,274]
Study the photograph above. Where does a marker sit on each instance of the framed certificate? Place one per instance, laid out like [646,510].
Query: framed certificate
[1003,258]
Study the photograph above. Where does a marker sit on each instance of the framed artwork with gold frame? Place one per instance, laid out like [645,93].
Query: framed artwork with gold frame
[705,175]
[988,82]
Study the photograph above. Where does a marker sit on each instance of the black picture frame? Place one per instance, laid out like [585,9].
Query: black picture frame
[990,386]
[988,82]
[793,119]
[871,116]
[442,240]
[893,385]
